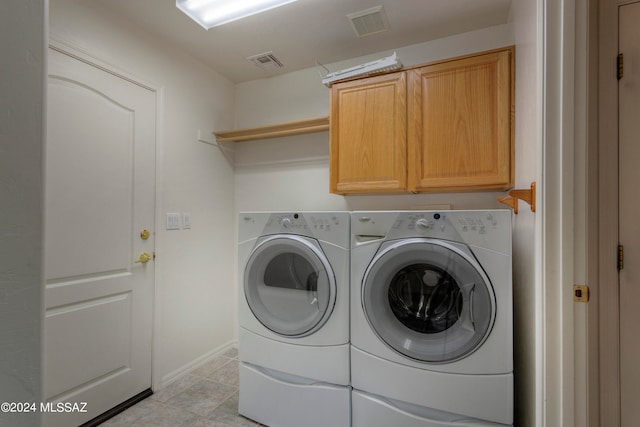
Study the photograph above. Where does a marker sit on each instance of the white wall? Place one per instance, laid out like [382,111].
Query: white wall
[22,95]
[293,173]
[528,307]
[194,305]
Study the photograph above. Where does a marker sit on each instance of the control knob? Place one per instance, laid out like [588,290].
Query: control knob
[286,222]
[423,224]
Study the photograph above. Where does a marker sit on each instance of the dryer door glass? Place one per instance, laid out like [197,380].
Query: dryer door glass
[289,285]
[428,299]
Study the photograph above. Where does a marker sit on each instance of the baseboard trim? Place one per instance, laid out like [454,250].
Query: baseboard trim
[118,409]
[194,364]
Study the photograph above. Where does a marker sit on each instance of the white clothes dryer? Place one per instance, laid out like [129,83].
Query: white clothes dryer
[294,318]
[431,318]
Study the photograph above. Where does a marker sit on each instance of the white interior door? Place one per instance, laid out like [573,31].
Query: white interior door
[100,196]
[629,123]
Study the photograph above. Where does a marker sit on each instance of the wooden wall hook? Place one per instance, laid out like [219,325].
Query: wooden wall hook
[511,199]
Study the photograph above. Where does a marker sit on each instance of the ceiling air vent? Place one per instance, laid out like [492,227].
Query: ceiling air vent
[369,21]
[267,61]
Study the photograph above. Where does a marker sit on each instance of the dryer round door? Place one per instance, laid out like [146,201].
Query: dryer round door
[289,285]
[428,299]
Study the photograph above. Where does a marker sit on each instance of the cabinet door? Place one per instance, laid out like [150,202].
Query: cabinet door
[460,134]
[368,135]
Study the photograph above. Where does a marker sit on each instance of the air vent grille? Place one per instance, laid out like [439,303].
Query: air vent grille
[369,21]
[267,61]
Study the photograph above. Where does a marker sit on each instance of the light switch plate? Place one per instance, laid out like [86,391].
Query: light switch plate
[172,221]
[186,220]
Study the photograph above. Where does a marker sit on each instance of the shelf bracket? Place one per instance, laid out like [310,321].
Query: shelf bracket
[512,198]
[227,152]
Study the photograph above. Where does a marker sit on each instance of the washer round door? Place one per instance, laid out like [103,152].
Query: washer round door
[289,285]
[428,299]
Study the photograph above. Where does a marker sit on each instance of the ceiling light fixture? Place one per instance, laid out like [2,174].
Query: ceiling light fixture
[211,13]
[378,66]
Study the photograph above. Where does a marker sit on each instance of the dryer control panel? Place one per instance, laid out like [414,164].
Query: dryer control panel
[331,227]
[303,223]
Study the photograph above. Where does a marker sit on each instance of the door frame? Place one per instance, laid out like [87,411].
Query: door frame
[58,43]
[608,204]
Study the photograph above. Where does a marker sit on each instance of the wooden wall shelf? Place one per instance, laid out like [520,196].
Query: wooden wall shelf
[275,131]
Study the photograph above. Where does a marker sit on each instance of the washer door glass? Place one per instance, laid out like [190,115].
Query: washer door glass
[289,285]
[428,300]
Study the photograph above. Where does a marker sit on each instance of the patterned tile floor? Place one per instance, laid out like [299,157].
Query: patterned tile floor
[206,397]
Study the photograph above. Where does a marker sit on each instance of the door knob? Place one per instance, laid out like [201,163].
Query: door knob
[144,258]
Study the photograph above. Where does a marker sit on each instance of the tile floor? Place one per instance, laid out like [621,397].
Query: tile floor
[206,397]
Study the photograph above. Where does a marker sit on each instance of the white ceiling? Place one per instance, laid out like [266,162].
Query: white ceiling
[306,31]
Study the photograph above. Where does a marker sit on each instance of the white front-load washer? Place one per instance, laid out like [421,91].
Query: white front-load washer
[431,318]
[294,318]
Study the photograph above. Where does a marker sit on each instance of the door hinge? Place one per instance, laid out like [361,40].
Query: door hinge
[620,257]
[620,66]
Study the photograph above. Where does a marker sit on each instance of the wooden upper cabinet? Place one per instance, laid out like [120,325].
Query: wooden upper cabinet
[460,116]
[444,126]
[368,124]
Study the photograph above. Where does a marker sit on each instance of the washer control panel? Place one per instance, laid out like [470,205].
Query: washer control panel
[485,228]
[441,221]
[481,224]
